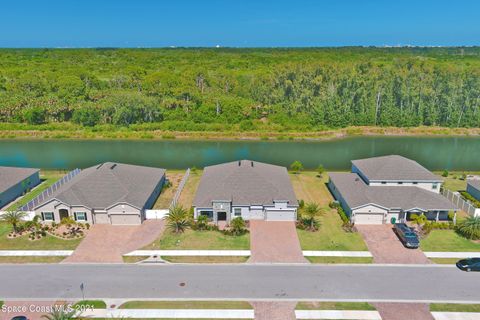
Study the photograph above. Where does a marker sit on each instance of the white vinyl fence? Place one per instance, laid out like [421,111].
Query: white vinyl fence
[461,203]
[49,191]
[180,188]
[155,214]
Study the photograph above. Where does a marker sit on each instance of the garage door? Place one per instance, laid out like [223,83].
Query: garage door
[368,218]
[125,219]
[284,215]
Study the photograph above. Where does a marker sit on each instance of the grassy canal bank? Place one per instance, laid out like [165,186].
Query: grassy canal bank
[232,132]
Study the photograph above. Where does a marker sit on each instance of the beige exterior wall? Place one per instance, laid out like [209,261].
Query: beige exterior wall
[429,186]
[55,207]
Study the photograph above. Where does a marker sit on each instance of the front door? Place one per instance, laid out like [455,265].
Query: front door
[63,214]
[222,216]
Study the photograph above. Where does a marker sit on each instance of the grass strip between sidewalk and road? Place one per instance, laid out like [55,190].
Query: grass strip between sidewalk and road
[340,259]
[321,305]
[454,307]
[31,259]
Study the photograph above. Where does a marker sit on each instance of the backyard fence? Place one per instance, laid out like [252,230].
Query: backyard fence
[461,203]
[49,191]
[180,188]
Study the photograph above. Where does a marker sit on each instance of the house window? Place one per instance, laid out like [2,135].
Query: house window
[80,216]
[209,214]
[434,186]
[48,216]
[237,212]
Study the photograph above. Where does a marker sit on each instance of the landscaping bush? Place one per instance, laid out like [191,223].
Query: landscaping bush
[467,196]
[201,223]
[238,227]
[343,215]
[308,217]
[301,203]
[445,173]
[469,228]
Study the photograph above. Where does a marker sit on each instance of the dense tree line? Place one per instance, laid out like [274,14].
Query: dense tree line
[210,89]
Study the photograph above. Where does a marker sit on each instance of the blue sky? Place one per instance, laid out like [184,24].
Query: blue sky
[237,23]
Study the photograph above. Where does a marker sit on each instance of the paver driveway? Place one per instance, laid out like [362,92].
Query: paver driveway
[404,311]
[274,310]
[274,242]
[106,243]
[385,246]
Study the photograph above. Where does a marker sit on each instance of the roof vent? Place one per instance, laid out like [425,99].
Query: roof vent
[113,166]
[100,165]
[239,163]
[251,163]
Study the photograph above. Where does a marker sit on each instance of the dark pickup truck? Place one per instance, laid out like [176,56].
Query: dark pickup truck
[406,235]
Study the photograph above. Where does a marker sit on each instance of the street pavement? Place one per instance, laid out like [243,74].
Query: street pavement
[393,283]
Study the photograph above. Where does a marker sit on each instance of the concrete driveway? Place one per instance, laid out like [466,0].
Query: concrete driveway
[274,242]
[385,246]
[105,243]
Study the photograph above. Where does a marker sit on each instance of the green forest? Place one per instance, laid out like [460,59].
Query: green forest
[241,89]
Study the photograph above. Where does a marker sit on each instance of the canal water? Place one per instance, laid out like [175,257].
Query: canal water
[436,153]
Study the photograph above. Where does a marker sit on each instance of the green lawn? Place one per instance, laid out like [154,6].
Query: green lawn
[200,240]
[340,259]
[48,177]
[330,236]
[447,240]
[313,305]
[453,181]
[96,304]
[444,260]
[186,305]
[454,307]
[31,259]
[206,259]
[23,243]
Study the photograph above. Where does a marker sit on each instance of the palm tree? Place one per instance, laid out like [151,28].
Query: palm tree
[13,217]
[238,226]
[312,210]
[177,219]
[470,228]
[62,313]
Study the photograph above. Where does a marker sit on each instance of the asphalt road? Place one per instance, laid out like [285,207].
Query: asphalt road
[245,282]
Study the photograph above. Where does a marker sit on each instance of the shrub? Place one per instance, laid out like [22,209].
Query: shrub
[309,216]
[343,215]
[334,205]
[296,166]
[201,223]
[67,221]
[418,219]
[177,219]
[238,226]
[301,203]
[320,171]
[451,215]
[469,228]
[445,173]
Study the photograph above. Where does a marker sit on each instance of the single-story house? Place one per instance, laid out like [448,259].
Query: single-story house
[247,189]
[109,193]
[395,170]
[473,188]
[15,182]
[371,196]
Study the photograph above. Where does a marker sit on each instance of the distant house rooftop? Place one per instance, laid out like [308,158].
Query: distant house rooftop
[394,168]
[357,193]
[10,176]
[245,182]
[475,183]
[107,184]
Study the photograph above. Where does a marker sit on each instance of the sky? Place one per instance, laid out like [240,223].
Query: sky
[238,23]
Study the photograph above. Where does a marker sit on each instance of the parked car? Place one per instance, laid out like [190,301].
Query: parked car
[19,318]
[406,235]
[470,264]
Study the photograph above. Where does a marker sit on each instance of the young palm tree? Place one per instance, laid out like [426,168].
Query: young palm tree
[177,219]
[312,210]
[470,228]
[61,313]
[13,217]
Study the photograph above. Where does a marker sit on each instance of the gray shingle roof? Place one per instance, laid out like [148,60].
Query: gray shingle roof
[474,183]
[244,184]
[104,185]
[357,193]
[394,167]
[10,176]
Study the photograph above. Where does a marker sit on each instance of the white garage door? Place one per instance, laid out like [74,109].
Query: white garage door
[283,215]
[125,219]
[368,218]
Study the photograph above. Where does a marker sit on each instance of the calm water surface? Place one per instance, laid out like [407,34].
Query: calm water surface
[454,153]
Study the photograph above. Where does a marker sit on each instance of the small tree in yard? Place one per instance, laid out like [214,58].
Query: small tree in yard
[238,226]
[13,217]
[470,228]
[296,166]
[445,173]
[62,313]
[177,219]
[320,171]
[312,211]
